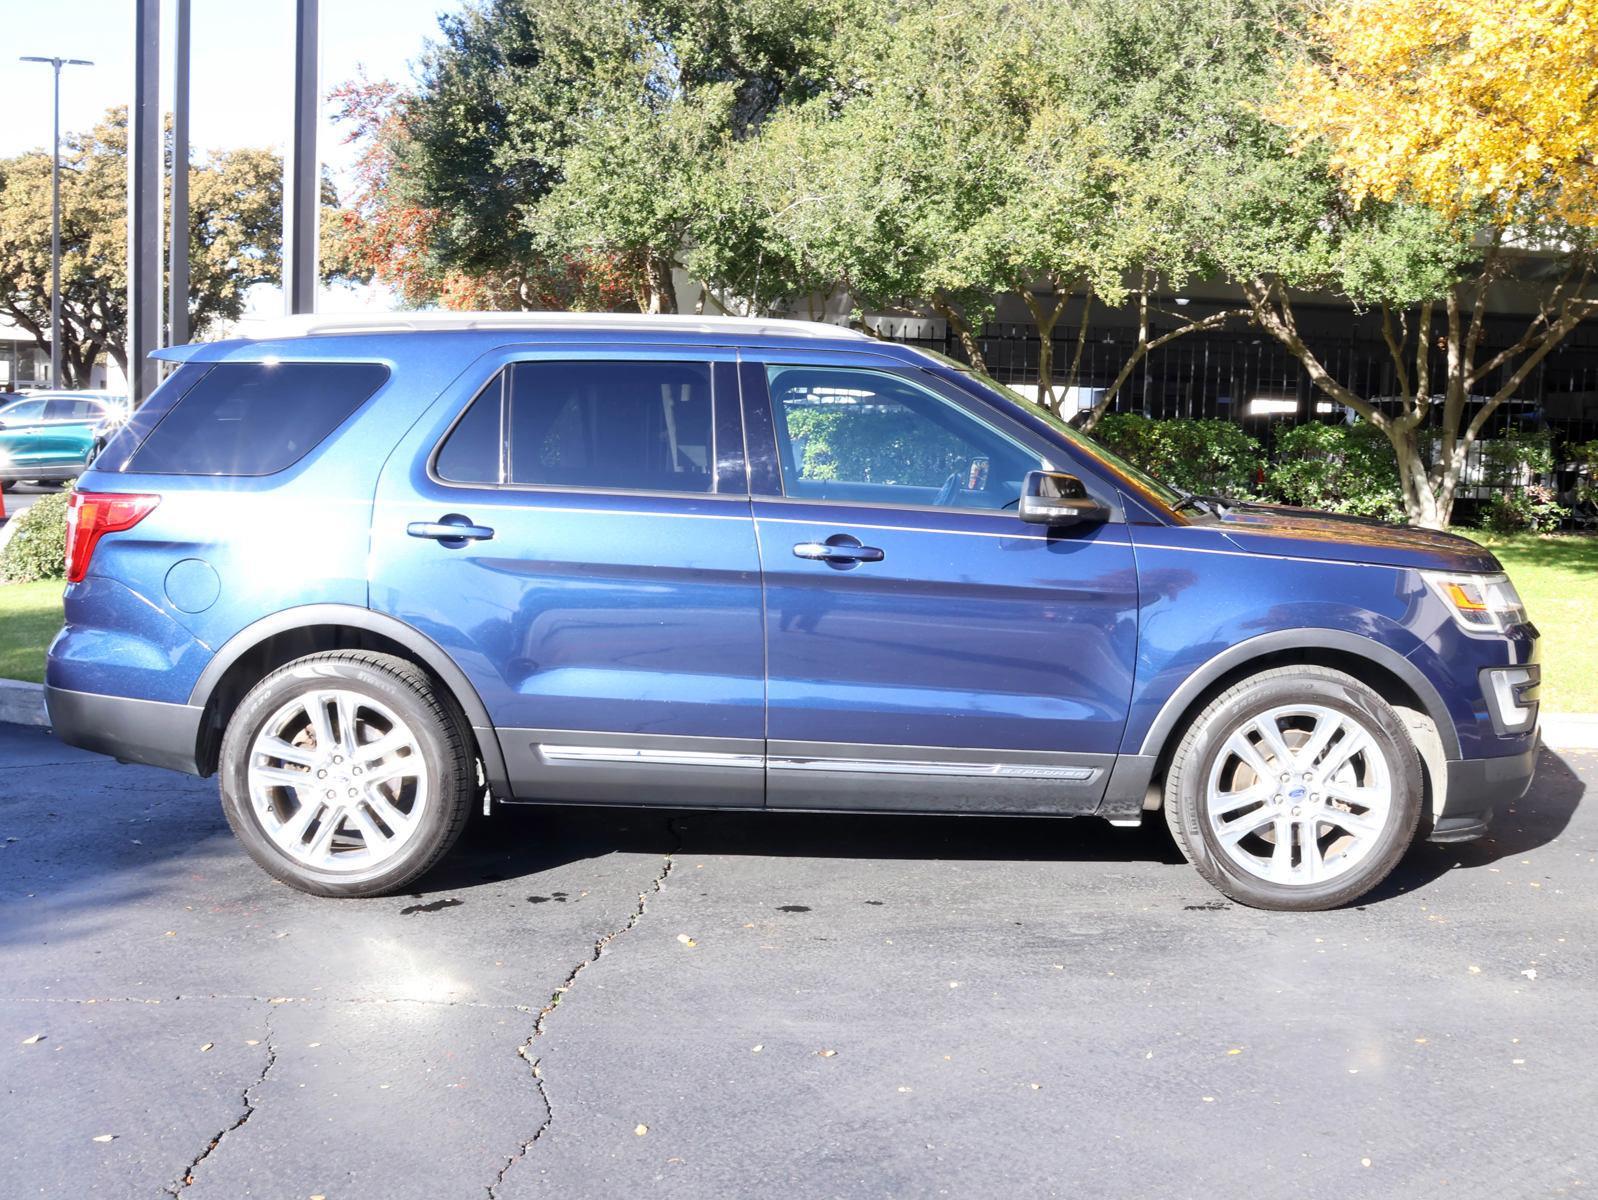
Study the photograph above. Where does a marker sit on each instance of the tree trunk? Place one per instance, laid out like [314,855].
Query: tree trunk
[968,342]
[1045,317]
[660,293]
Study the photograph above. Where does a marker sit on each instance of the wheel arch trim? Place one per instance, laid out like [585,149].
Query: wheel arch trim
[427,652]
[1161,729]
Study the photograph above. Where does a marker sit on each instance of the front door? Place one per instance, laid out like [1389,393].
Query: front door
[927,650]
[580,542]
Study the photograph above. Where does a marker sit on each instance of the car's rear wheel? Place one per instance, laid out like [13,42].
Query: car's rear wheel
[346,774]
[1296,788]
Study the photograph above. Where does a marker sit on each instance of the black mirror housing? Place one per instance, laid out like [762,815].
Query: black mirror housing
[1059,501]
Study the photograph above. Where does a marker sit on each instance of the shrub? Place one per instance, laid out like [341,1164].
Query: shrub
[1195,455]
[38,548]
[1533,508]
[1337,468]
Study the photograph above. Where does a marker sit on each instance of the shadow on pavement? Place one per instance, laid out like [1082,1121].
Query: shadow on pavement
[1534,820]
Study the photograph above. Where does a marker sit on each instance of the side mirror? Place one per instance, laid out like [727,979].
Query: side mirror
[1058,500]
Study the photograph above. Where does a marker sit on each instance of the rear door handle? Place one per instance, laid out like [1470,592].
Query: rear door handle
[840,548]
[449,529]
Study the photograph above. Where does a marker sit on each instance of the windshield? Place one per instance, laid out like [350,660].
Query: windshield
[1139,478]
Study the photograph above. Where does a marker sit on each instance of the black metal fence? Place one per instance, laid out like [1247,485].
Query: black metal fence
[1241,374]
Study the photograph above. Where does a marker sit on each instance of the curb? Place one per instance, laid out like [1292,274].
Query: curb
[22,703]
[1570,731]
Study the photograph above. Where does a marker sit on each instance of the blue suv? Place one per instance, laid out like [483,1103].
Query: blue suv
[375,575]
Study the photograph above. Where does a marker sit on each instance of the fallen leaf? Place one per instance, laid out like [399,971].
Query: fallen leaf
[106,1137]
[206,1047]
[756,1049]
[1235,1050]
[252,1041]
[1209,1099]
[1475,970]
[36,1038]
[1530,972]
[1364,1162]
[313,1045]
[1035,1086]
[640,1130]
[686,940]
[826,1053]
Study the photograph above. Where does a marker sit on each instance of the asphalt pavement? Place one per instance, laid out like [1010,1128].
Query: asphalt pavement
[620,1003]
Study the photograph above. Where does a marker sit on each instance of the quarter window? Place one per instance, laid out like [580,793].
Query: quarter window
[254,418]
[614,425]
[871,437]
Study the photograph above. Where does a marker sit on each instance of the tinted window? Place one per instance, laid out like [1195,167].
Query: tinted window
[28,410]
[72,410]
[874,437]
[254,418]
[471,453]
[632,426]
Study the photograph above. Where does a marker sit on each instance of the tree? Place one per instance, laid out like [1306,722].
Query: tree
[1438,149]
[969,157]
[235,202]
[574,135]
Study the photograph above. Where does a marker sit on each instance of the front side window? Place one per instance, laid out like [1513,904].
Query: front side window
[611,425]
[873,437]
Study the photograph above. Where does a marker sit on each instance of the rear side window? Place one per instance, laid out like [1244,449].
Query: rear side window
[254,418]
[627,426]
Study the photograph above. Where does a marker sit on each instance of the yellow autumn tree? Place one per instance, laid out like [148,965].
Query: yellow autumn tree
[1465,106]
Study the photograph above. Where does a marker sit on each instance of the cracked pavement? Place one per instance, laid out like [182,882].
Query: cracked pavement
[608,1002]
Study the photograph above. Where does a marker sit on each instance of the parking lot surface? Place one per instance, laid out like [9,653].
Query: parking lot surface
[620,1003]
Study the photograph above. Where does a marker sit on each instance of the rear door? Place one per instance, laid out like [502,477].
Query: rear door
[574,529]
[21,441]
[67,435]
[927,649]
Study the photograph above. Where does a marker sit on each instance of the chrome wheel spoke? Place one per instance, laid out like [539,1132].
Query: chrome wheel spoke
[321,727]
[1235,831]
[1325,730]
[369,753]
[283,777]
[1271,739]
[386,810]
[1239,745]
[276,747]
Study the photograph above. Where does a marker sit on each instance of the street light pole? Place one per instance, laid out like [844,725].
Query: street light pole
[55,213]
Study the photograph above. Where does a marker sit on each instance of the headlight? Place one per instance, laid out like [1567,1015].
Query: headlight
[1480,603]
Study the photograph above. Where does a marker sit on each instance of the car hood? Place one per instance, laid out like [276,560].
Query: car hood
[1306,533]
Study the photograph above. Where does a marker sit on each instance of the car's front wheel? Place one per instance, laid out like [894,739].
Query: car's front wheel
[1297,788]
[346,774]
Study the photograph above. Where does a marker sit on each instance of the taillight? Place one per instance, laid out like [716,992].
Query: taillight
[91,514]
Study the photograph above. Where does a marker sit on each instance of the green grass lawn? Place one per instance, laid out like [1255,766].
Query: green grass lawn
[1557,576]
[30,614]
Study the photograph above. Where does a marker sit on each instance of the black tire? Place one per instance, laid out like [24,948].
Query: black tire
[1203,740]
[443,738]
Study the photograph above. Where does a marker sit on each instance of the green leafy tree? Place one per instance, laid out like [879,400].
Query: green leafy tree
[235,200]
[569,131]
[1291,210]
[972,155]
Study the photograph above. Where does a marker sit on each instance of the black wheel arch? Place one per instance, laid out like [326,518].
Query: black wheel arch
[1382,668]
[263,646]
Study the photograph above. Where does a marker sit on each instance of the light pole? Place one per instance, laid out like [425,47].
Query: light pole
[55,214]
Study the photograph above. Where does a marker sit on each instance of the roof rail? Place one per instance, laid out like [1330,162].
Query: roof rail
[312,324]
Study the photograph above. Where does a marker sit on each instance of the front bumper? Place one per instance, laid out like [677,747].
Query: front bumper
[1474,786]
[140,731]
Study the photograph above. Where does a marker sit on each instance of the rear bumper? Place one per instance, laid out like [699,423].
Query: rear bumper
[1475,786]
[141,731]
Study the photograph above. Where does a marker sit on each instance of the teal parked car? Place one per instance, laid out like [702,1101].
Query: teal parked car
[54,436]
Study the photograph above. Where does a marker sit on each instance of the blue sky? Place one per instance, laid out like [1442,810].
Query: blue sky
[241,67]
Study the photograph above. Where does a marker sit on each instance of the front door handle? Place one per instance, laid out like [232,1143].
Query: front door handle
[839,550]
[452,530]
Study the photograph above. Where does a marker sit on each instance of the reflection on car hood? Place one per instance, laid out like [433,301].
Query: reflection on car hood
[1306,533]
